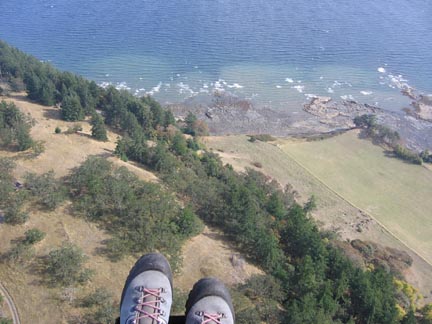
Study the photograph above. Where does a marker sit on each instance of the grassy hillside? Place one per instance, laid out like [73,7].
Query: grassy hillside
[62,153]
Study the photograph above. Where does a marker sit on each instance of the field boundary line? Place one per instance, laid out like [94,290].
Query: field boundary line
[11,304]
[360,209]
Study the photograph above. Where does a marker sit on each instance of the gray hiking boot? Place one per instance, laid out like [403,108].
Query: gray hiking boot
[209,302]
[147,294]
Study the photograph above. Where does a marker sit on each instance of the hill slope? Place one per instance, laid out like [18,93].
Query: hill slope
[334,212]
[62,153]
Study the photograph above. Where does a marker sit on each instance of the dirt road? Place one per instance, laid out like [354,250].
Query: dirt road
[11,304]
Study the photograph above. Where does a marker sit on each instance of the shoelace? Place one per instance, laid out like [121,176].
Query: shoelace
[154,304]
[208,318]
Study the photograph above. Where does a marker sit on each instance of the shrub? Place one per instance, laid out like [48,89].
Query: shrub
[407,155]
[33,236]
[261,137]
[74,129]
[14,127]
[96,298]
[192,144]
[310,204]
[6,180]
[57,130]
[38,148]
[64,266]
[48,190]
[365,121]
[20,253]
[104,314]
[13,213]
[189,224]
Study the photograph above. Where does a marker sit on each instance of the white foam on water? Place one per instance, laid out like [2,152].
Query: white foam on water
[105,84]
[233,86]
[347,97]
[330,90]
[310,95]
[336,83]
[122,86]
[299,88]
[155,89]
[278,86]
[398,81]
[218,85]
[289,80]
[185,89]
[381,70]
[366,93]
[321,77]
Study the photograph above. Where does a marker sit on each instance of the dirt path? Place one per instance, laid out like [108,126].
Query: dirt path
[11,304]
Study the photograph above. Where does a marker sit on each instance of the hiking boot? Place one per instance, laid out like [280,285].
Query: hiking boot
[147,294]
[209,302]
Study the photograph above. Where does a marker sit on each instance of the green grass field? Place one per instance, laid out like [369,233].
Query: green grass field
[396,194]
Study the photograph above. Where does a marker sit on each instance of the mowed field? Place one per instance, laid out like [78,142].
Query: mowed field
[395,193]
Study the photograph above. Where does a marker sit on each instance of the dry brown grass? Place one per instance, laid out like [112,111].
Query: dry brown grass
[64,152]
[209,254]
[206,254]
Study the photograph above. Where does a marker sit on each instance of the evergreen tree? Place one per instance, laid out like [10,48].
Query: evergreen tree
[190,124]
[179,144]
[71,109]
[98,128]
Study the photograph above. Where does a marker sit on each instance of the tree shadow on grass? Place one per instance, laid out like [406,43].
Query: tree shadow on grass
[52,113]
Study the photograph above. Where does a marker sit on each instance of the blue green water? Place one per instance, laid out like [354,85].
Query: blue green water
[275,52]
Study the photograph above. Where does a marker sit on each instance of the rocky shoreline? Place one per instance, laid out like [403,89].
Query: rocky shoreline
[227,114]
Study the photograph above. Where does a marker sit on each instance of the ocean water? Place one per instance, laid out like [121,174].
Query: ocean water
[277,53]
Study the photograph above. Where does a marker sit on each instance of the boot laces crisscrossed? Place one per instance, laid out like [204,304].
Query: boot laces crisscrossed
[212,318]
[148,305]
